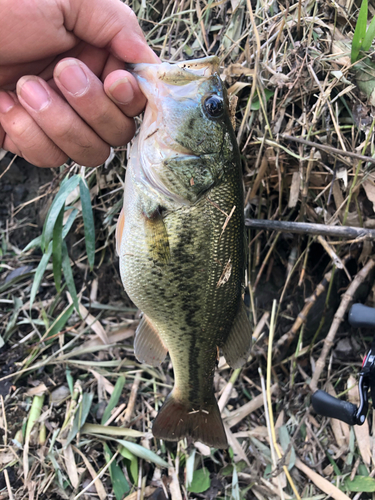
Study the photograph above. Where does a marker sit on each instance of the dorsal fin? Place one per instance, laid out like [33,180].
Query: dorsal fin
[148,346]
[119,230]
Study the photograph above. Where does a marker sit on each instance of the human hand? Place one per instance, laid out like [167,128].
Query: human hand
[54,56]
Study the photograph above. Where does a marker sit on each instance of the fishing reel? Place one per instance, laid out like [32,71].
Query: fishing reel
[360,316]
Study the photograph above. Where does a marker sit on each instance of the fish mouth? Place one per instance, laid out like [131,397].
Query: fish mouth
[180,81]
[178,73]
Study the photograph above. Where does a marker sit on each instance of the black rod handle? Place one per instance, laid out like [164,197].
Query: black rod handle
[329,406]
[361,316]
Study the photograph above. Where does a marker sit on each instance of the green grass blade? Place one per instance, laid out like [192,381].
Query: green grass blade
[131,462]
[115,397]
[69,222]
[359,32]
[119,483]
[190,463]
[80,416]
[68,275]
[56,249]
[235,486]
[17,304]
[360,484]
[88,221]
[60,321]
[39,273]
[70,380]
[109,430]
[66,188]
[36,242]
[35,411]
[201,481]
[141,452]
[369,36]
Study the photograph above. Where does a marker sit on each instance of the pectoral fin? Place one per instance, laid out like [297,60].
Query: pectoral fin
[157,238]
[148,346]
[238,343]
[119,231]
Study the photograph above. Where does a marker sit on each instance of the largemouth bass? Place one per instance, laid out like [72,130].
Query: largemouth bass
[180,238]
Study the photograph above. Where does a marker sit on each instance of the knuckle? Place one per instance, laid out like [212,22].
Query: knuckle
[90,156]
[131,14]
[98,158]
[123,136]
[20,129]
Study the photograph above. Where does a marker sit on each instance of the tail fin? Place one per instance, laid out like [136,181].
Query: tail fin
[178,419]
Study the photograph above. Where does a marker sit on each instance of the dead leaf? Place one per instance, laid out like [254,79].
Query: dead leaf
[294,190]
[362,432]
[369,187]
[225,275]
[71,466]
[340,429]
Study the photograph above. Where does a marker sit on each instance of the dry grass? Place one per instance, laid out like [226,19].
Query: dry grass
[303,127]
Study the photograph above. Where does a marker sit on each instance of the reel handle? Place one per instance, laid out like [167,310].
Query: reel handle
[361,316]
[329,406]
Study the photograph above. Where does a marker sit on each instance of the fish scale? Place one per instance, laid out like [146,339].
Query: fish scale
[178,263]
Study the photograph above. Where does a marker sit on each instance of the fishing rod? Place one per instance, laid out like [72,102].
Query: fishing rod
[360,316]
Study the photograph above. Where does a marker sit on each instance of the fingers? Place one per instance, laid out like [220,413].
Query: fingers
[79,121]
[85,93]
[122,88]
[22,136]
[60,123]
[111,24]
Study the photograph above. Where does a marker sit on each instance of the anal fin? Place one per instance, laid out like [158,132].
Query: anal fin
[148,346]
[237,346]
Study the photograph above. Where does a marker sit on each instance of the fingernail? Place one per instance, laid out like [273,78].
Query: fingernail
[73,79]
[35,95]
[6,103]
[122,91]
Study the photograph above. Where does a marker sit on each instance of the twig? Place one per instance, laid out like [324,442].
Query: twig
[97,477]
[284,342]
[9,488]
[132,399]
[268,406]
[329,149]
[265,261]
[256,72]
[237,415]
[8,167]
[5,423]
[335,124]
[333,255]
[347,232]
[225,396]
[320,482]
[345,302]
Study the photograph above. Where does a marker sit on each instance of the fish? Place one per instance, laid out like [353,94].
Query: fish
[180,241]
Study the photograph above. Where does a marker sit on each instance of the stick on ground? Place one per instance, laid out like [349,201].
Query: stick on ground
[344,306]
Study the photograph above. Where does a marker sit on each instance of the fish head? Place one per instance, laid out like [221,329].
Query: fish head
[186,135]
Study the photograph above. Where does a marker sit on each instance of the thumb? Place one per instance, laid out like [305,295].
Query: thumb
[108,24]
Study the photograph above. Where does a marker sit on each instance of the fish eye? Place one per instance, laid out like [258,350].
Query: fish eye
[213,106]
